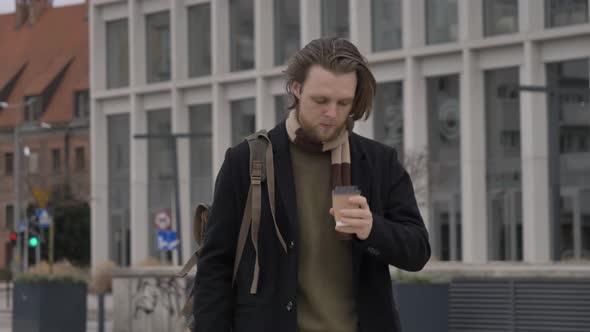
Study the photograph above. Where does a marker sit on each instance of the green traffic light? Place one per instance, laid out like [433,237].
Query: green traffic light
[33,242]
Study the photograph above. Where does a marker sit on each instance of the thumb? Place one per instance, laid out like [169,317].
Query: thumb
[332,211]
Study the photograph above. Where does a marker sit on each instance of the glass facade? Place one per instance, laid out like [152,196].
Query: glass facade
[118,141]
[503,164]
[117,57]
[160,171]
[386,24]
[442,23]
[158,47]
[243,119]
[500,17]
[388,116]
[281,105]
[241,36]
[444,155]
[560,13]
[199,40]
[569,141]
[335,18]
[286,30]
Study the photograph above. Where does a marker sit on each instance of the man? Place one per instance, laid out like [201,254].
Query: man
[322,283]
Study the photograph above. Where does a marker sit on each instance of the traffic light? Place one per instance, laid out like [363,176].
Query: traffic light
[33,241]
[13,238]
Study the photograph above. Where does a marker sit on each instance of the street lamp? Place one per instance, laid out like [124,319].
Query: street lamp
[17,180]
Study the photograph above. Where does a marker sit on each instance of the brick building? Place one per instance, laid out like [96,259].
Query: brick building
[44,87]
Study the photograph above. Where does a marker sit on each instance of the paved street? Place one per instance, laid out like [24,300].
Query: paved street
[92,326]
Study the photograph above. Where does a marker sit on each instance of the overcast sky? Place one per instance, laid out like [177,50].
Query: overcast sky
[8,5]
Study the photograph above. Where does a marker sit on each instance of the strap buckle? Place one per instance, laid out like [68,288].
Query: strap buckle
[256,174]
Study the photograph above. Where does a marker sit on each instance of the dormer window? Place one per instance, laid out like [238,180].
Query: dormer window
[33,108]
[82,105]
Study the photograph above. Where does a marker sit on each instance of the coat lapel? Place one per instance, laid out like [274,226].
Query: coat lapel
[284,176]
[359,170]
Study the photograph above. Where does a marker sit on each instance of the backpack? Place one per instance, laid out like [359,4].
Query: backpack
[261,170]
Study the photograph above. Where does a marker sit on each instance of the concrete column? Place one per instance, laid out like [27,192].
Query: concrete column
[139,184]
[413,23]
[265,108]
[415,115]
[221,122]
[360,25]
[220,36]
[263,36]
[537,229]
[99,185]
[473,149]
[181,124]
[98,150]
[470,19]
[311,27]
[531,15]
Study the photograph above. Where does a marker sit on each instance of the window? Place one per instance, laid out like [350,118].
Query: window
[569,156]
[286,25]
[503,160]
[118,139]
[8,163]
[334,17]
[82,105]
[201,154]
[56,160]
[243,119]
[441,21]
[33,108]
[560,13]
[80,159]
[160,169]
[500,17]
[282,102]
[386,23]
[241,25]
[444,155]
[117,53]
[388,117]
[8,216]
[158,47]
[199,40]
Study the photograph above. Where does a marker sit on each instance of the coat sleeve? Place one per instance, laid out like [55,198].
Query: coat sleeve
[399,236]
[213,301]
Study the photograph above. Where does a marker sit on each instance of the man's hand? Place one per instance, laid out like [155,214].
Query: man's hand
[356,221]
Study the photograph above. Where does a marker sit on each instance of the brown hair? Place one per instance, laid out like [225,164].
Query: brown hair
[337,55]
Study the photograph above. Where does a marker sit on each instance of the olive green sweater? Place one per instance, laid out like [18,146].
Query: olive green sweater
[325,301]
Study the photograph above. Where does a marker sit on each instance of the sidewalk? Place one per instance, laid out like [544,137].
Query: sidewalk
[91,318]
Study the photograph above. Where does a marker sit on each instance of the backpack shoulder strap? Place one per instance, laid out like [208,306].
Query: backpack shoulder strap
[261,169]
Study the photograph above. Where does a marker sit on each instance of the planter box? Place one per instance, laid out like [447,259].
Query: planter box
[49,307]
[422,306]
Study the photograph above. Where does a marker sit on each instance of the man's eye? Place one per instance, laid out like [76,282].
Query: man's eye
[320,100]
[344,103]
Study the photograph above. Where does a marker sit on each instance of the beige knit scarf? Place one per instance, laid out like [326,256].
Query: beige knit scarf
[339,147]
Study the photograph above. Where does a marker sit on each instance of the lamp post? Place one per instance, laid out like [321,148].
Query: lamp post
[21,242]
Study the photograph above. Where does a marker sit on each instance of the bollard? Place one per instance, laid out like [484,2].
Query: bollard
[101,312]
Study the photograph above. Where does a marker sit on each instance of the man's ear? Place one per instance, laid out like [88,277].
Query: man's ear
[296,89]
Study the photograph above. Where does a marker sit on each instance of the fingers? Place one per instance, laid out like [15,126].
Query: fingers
[355,213]
[360,200]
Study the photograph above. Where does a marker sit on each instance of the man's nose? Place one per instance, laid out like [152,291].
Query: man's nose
[331,111]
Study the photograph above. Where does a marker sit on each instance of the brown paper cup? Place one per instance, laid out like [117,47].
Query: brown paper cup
[340,201]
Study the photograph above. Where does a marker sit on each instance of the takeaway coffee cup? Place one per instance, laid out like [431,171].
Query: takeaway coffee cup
[340,201]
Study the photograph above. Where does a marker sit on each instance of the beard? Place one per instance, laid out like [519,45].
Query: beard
[316,133]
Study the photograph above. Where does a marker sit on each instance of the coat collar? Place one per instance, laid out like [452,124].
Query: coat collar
[284,171]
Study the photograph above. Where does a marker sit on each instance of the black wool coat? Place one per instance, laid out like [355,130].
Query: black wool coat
[398,237]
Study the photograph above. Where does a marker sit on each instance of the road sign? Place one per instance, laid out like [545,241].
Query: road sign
[42,197]
[167,240]
[163,221]
[43,217]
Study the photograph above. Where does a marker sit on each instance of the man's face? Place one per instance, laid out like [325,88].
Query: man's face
[325,101]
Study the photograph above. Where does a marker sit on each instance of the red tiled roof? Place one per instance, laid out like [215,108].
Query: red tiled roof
[60,35]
